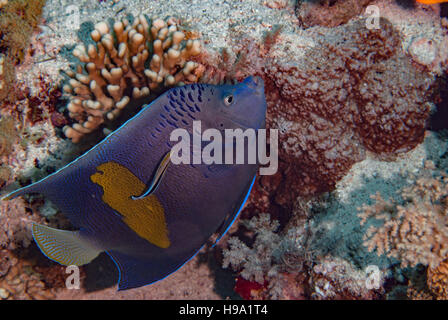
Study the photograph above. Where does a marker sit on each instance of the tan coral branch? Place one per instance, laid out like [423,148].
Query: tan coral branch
[129,61]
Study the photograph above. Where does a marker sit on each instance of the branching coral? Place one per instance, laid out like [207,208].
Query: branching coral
[128,62]
[416,230]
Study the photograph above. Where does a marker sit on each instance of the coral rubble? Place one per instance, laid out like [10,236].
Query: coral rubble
[116,71]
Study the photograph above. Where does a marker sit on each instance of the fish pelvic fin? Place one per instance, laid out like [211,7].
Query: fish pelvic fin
[65,247]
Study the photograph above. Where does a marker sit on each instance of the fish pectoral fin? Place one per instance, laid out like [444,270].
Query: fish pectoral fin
[65,247]
[157,178]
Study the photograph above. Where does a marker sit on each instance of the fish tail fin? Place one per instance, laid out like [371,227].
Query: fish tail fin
[64,247]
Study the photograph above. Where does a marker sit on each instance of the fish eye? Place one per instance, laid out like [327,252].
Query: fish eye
[228,100]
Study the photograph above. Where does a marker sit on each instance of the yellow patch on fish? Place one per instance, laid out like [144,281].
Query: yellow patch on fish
[145,216]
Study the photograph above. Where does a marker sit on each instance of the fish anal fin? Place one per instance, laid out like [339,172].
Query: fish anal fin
[64,247]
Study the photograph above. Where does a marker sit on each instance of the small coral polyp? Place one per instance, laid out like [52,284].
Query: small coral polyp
[116,71]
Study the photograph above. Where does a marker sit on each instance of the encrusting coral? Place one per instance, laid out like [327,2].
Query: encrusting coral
[128,62]
[329,13]
[332,98]
[416,230]
[437,280]
[335,106]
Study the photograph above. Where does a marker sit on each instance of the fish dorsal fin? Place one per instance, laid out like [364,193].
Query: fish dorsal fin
[65,247]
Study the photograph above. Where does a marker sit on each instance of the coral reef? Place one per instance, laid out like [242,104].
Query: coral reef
[6,76]
[329,256]
[269,265]
[415,230]
[332,107]
[115,70]
[18,19]
[21,282]
[343,97]
[15,221]
[438,280]
[329,13]
[258,262]
[35,106]
[8,137]
[335,278]
[332,98]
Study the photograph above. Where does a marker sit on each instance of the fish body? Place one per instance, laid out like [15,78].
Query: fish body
[152,236]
